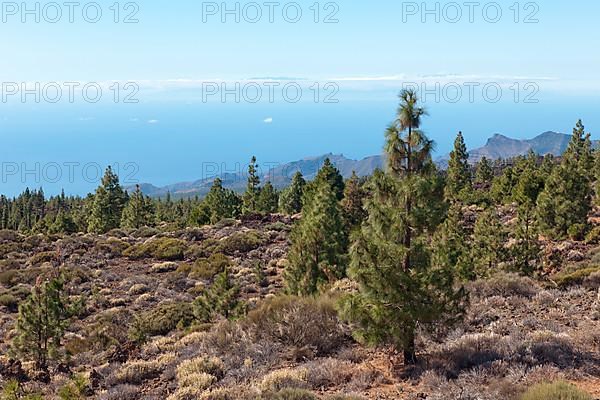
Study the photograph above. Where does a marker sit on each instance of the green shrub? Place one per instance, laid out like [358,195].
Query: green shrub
[162,320]
[204,249]
[241,242]
[9,301]
[593,237]
[577,231]
[169,249]
[207,268]
[566,279]
[555,391]
[165,249]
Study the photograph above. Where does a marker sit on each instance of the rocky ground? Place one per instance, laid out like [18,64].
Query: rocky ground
[517,331]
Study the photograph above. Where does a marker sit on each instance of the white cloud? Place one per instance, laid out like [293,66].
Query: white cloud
[153,121]
[86,118]
[134,119]
[268,120]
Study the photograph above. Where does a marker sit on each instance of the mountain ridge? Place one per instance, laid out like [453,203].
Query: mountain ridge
[498,146]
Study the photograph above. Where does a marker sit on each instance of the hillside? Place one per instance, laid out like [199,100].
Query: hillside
[516,332]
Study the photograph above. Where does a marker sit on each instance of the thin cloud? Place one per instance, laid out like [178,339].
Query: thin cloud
[268,120]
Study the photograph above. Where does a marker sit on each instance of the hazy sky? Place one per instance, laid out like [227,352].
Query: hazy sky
[542,56]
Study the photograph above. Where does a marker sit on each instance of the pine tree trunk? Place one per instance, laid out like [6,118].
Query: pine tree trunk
[410,355]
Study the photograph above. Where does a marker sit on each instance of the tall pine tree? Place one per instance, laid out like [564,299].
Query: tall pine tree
[108,204]
[458,183]
[566,200]
[400,288]
[290,201]
[319,244]
[250,199]
[139,211]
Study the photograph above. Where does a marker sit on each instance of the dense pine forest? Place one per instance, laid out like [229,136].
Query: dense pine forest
[481,281]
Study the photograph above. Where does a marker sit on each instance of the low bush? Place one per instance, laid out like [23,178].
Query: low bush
[162,320]
[160,268]
[165,249]
[207,268]
[7,265]
[202,365]
[241,242]
[505,285]
[9,301]
[555,391]
[300,323]
[570,278]
[38,259]
[112,246]
[139,371]
[282,379]
[291,394]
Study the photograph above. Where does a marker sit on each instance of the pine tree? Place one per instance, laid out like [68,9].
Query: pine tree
[458,183]
[400,288]
[63,223]
[220,203]
[484,173]
[319,244]
[42,321]
[330,175]
[268,199]
[530,182]
[566,201]
[252,189]
[489,237]
[452,245]
[290,201]
[108,204]
[503,185]
[220,300]
[352,205]
[526,249]
[139,211]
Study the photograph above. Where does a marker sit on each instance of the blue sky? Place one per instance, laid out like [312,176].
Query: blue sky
[371,51]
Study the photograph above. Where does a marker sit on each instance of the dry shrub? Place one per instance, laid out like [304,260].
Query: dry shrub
[299,323]
[549,348]
[193,392]
[284,379]
[290,394]
[121,392]
[138,371]
[202,365]
[160,268]
[505,285]
[555,391]
[327,373]
[470,351]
